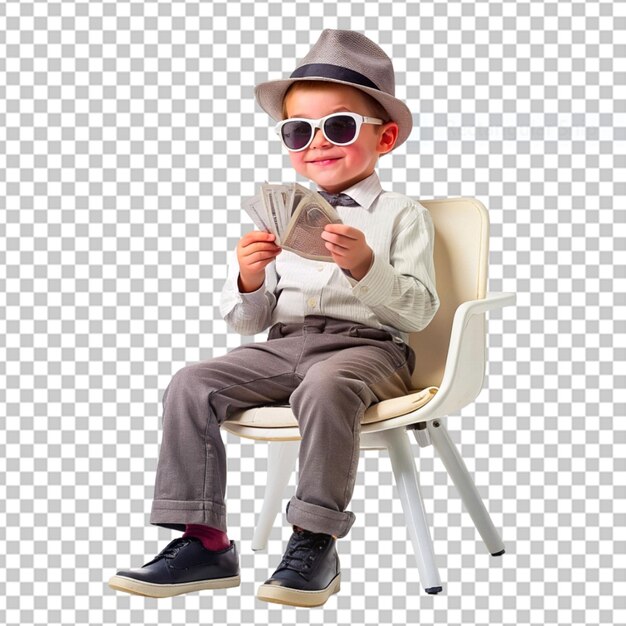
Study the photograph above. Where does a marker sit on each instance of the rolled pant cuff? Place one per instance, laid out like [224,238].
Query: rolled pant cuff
[319,519]
[177,514]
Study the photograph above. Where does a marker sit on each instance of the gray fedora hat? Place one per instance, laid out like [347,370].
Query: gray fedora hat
[347,58]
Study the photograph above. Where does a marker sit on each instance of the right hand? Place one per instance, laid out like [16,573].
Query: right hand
[255,250]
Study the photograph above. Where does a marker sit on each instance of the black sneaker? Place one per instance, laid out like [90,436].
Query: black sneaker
[308,574]
[182,566]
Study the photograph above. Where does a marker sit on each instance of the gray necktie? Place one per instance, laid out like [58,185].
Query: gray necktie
[338,199]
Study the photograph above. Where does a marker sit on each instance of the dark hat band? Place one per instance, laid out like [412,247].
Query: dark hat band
[326,70]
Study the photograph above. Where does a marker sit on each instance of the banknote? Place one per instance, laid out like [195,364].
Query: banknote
[255,209]
[297,217]
[304,231]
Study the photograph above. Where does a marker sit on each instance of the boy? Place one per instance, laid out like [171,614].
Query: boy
[337,339]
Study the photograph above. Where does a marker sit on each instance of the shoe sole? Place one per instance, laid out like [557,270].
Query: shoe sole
[298,597]
[153,590]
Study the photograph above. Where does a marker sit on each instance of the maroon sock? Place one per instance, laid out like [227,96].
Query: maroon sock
[211,538]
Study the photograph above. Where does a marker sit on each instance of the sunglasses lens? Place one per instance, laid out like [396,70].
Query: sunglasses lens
[296,134]
[340,129]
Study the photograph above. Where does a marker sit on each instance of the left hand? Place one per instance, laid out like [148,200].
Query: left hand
[348,248]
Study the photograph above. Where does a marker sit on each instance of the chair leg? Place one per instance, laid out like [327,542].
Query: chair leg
[405,474]
[461,477]
[281,462]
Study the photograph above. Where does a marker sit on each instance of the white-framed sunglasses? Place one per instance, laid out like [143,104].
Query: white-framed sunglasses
[340,129]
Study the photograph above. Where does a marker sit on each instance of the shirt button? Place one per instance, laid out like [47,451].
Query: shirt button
[364,289]
[312,302]
[320,268]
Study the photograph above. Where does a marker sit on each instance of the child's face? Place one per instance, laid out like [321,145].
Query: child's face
[335,168]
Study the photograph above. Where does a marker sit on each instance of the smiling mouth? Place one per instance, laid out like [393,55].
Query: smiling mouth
[328,160]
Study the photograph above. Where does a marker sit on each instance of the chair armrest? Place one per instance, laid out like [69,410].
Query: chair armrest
[464,371]
[490,302]
[462,318]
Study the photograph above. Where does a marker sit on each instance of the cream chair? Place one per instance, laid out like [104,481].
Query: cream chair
[448,376]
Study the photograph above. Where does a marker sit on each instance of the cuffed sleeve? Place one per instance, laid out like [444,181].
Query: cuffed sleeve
[248,313]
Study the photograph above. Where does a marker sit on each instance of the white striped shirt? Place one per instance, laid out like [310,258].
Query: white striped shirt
[397,293]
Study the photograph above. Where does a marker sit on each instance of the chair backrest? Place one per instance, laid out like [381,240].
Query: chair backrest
[461,259]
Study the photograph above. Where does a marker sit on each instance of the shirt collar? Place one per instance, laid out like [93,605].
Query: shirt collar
[365,191]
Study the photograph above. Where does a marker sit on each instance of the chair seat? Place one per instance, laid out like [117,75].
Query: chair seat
[281,416]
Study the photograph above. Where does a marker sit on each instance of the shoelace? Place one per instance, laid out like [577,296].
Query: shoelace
[302,550]
[173,548]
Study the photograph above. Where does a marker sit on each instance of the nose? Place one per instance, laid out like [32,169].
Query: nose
[319,140]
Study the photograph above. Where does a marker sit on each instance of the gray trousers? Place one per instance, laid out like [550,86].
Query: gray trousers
[329,371]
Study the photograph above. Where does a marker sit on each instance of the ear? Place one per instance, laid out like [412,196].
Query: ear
[388,135]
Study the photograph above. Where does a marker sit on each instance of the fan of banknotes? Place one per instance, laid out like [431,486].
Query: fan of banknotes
[296,215]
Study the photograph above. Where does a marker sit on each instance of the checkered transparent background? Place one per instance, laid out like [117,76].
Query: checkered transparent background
[128,135]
